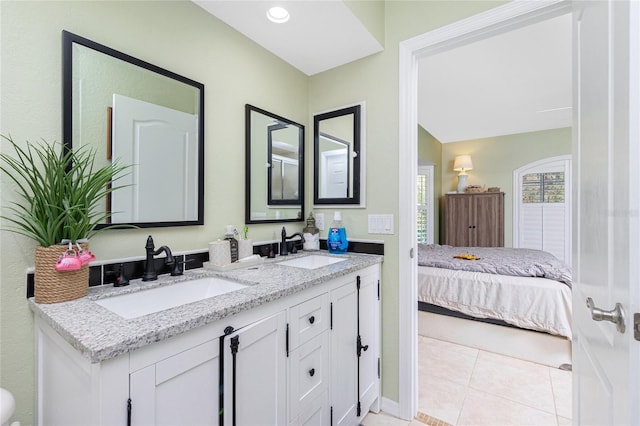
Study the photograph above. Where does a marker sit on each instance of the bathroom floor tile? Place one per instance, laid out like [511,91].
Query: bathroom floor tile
[383,419]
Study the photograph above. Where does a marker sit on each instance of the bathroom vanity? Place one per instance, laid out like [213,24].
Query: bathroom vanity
[297,344]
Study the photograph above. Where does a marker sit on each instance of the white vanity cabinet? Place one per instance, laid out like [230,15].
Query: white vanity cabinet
[292,361]
[179,390]
[255,373]
[309,362]
[355,347]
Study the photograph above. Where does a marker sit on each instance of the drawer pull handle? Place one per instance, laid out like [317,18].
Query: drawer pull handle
[312,319]
[312,372]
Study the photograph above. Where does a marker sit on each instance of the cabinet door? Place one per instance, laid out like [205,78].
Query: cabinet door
[309,378]
[488,210]
[257,393]
[182,389]
[343,354]
[316,414]
[369,327]
[459,220]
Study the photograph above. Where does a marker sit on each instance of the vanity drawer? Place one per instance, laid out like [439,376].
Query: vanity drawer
[308,374]
[308,319]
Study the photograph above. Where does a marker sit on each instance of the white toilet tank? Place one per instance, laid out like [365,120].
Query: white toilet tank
[7,408]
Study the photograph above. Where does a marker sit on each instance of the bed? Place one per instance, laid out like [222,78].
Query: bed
[526,288]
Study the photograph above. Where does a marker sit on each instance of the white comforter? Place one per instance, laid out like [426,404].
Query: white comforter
[527,302]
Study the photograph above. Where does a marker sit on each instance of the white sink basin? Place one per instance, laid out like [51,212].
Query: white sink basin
[312,262]
[158,299]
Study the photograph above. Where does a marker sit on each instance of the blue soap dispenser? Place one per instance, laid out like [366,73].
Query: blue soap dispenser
[337,237]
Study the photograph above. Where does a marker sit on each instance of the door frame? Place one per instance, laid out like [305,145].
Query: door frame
[510,16]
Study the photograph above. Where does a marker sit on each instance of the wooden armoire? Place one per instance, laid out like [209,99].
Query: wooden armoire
[475,219]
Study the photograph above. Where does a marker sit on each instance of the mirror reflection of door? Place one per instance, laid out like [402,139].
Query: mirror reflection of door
[162,145]
[334,168]
[93,73]
[337,148]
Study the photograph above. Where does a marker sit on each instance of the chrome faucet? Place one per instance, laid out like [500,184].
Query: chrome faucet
[283,244]
[150,273]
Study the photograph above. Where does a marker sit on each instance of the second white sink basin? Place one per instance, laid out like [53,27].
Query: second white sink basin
[158,299]
[312,262]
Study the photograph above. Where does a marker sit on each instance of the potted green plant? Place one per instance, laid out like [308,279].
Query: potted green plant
[62,198]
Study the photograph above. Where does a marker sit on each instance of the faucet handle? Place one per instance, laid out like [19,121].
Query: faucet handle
[120,279]
[178,267]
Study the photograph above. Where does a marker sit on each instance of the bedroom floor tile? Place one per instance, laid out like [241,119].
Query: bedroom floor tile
[447,362]
[441,399]
[519,381]
[500,390]
[562,386]
[481,408]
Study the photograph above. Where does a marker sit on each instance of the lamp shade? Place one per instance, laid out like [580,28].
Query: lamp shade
[462,163]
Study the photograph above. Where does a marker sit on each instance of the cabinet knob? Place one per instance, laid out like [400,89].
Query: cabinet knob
[312,319]
[312,372]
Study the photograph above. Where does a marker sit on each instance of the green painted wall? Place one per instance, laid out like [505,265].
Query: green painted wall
[495,159]
[371,14]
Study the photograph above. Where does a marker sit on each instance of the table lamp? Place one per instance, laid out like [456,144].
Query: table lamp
[461,164]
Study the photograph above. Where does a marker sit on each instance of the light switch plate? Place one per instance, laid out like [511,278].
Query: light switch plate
[380,224]
[320,221]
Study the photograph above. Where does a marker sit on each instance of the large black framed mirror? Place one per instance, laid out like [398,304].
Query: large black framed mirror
[338,165]
[144,115]
[274,168]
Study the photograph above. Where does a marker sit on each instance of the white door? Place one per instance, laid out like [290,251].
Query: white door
[344,393]
[162,145]
[369,325]
[606,362]
[334,165]
[259,387]
[182,389]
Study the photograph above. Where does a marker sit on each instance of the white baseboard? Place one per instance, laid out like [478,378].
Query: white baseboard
[390,407]
[541,348]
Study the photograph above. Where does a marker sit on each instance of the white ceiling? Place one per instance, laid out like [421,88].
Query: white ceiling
[320,35]
[516,82]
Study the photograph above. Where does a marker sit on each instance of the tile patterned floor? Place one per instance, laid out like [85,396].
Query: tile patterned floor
[466,386]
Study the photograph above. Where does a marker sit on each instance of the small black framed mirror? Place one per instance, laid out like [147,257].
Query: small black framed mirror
[338,157]
[274,168]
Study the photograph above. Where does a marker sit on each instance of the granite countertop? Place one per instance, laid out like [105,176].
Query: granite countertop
[99,334]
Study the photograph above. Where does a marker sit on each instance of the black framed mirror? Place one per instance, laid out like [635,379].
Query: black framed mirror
[338,157]
[274,168]
[144,115]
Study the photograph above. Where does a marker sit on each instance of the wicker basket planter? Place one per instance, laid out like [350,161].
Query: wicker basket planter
[52,286]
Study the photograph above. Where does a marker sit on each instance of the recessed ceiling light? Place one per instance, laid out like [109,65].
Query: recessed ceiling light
[278,14]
